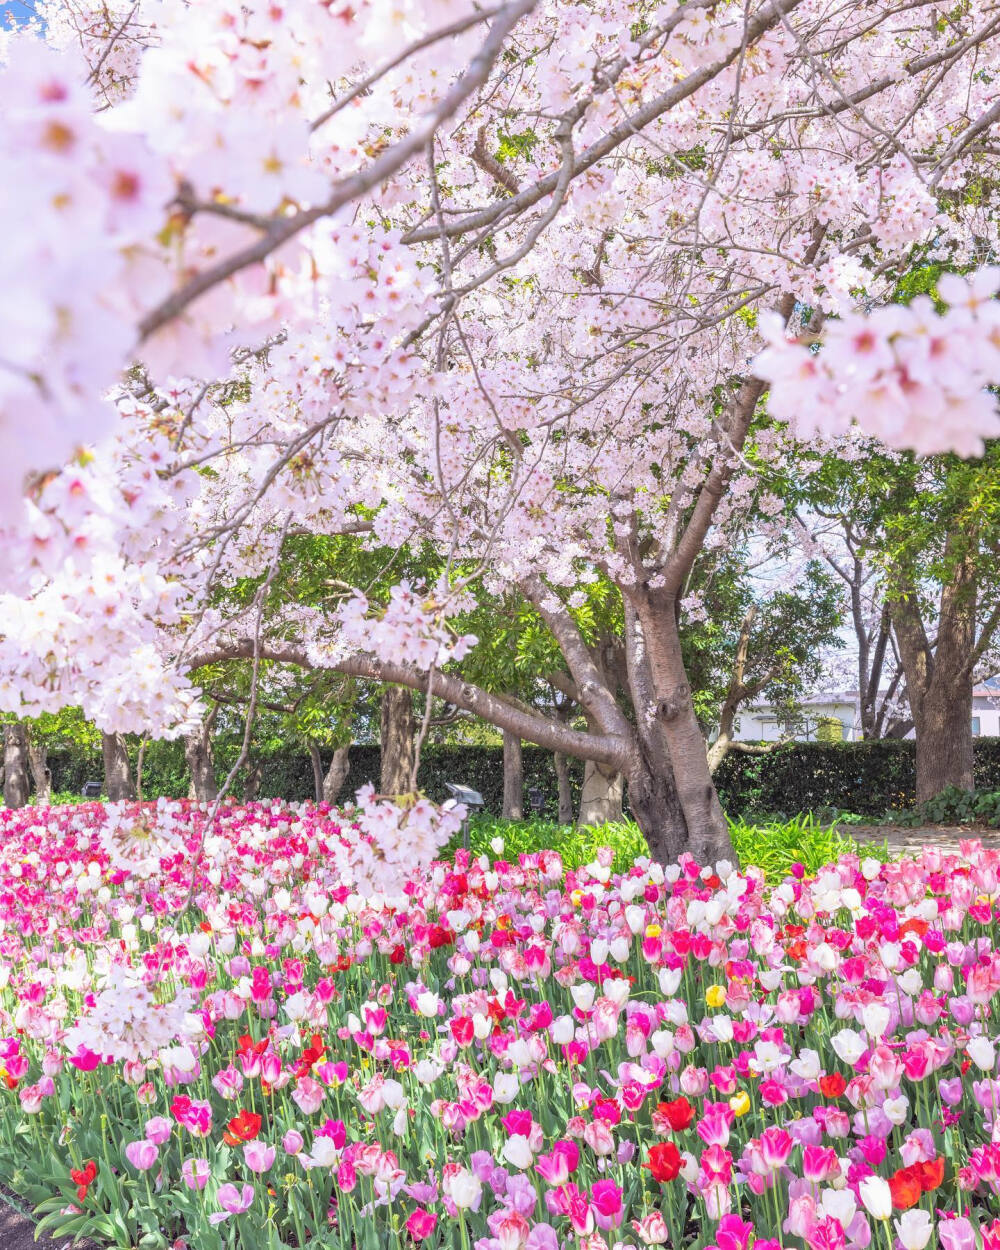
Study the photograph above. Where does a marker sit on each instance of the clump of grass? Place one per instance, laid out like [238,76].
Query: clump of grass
[799,845]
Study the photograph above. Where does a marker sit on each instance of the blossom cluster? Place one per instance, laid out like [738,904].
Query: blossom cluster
[910,376]
[505,1055]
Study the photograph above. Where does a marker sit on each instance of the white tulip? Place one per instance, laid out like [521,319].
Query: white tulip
[983,1053]
[517,1151]
[876,1196]
[914,1228]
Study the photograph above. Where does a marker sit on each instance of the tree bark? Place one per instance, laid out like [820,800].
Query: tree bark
[513,777]
[200,759]
[652,791]
[944,740]
[939,679]
[396,738]
[118,784]
[336,774]
[16,785]
[656,808]
[602,795]
[707,833]
[561,763]
[317,767]
[252,785]
[38,759]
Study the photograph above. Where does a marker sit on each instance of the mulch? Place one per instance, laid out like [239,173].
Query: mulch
[17,1230]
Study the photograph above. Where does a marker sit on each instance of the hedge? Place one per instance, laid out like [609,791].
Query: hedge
[288,773]
[869,778]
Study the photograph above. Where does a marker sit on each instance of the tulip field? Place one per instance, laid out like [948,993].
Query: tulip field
[504,1055]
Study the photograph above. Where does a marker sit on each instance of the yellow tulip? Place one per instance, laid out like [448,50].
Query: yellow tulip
[740,1103]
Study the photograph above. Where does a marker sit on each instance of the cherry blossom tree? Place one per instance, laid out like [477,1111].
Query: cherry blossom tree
[511,280]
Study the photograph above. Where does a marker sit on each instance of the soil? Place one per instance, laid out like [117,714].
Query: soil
[17,1231]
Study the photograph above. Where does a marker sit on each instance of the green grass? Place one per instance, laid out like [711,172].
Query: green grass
[774,846]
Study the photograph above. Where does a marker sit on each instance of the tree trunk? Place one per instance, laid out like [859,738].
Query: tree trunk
[944,739]
[336,774]
[602,794]
[117,774]
[16,785]
[561,763]
[673,715]
[656,808]
[317,766]
[939,679]
[251,786]
[200,759]
[396,738]
[38,759]
[513,777]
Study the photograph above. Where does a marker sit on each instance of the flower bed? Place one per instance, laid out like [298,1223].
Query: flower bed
[504,1057]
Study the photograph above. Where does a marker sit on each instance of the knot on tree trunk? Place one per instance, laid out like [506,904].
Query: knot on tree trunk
[670,706]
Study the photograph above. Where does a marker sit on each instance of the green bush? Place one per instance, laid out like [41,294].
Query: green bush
[955,807]
[776,847]
[866,778]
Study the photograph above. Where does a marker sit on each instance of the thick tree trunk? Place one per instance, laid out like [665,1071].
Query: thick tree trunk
[317,766]
[602,795]
[397,728]
[513,777]
[200,759]
[16,784]
[41,773]
[336,774]
[118,784]
[944,739]
[939,679]
[656,809]
[706,833]
[561,763]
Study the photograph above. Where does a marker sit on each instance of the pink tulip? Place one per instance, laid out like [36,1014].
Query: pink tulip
[233,1202]
[142,1154]
[776,1144]
[158,1129]
[258,1156]
[196,1173]
[956,1234]
[421,1224]
[606,1203]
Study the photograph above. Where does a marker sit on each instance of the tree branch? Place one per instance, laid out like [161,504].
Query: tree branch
[605,748]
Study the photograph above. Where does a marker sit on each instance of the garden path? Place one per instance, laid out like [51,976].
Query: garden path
[903,841]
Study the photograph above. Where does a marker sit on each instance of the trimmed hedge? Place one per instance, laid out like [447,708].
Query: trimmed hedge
[288,773]
[869,778]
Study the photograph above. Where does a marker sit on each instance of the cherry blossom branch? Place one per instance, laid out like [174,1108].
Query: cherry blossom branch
[445,32]
[769,17]
[348,190]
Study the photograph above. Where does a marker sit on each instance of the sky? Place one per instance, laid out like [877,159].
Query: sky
[14,12]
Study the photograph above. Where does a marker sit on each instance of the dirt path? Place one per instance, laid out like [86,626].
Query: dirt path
[904,841]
